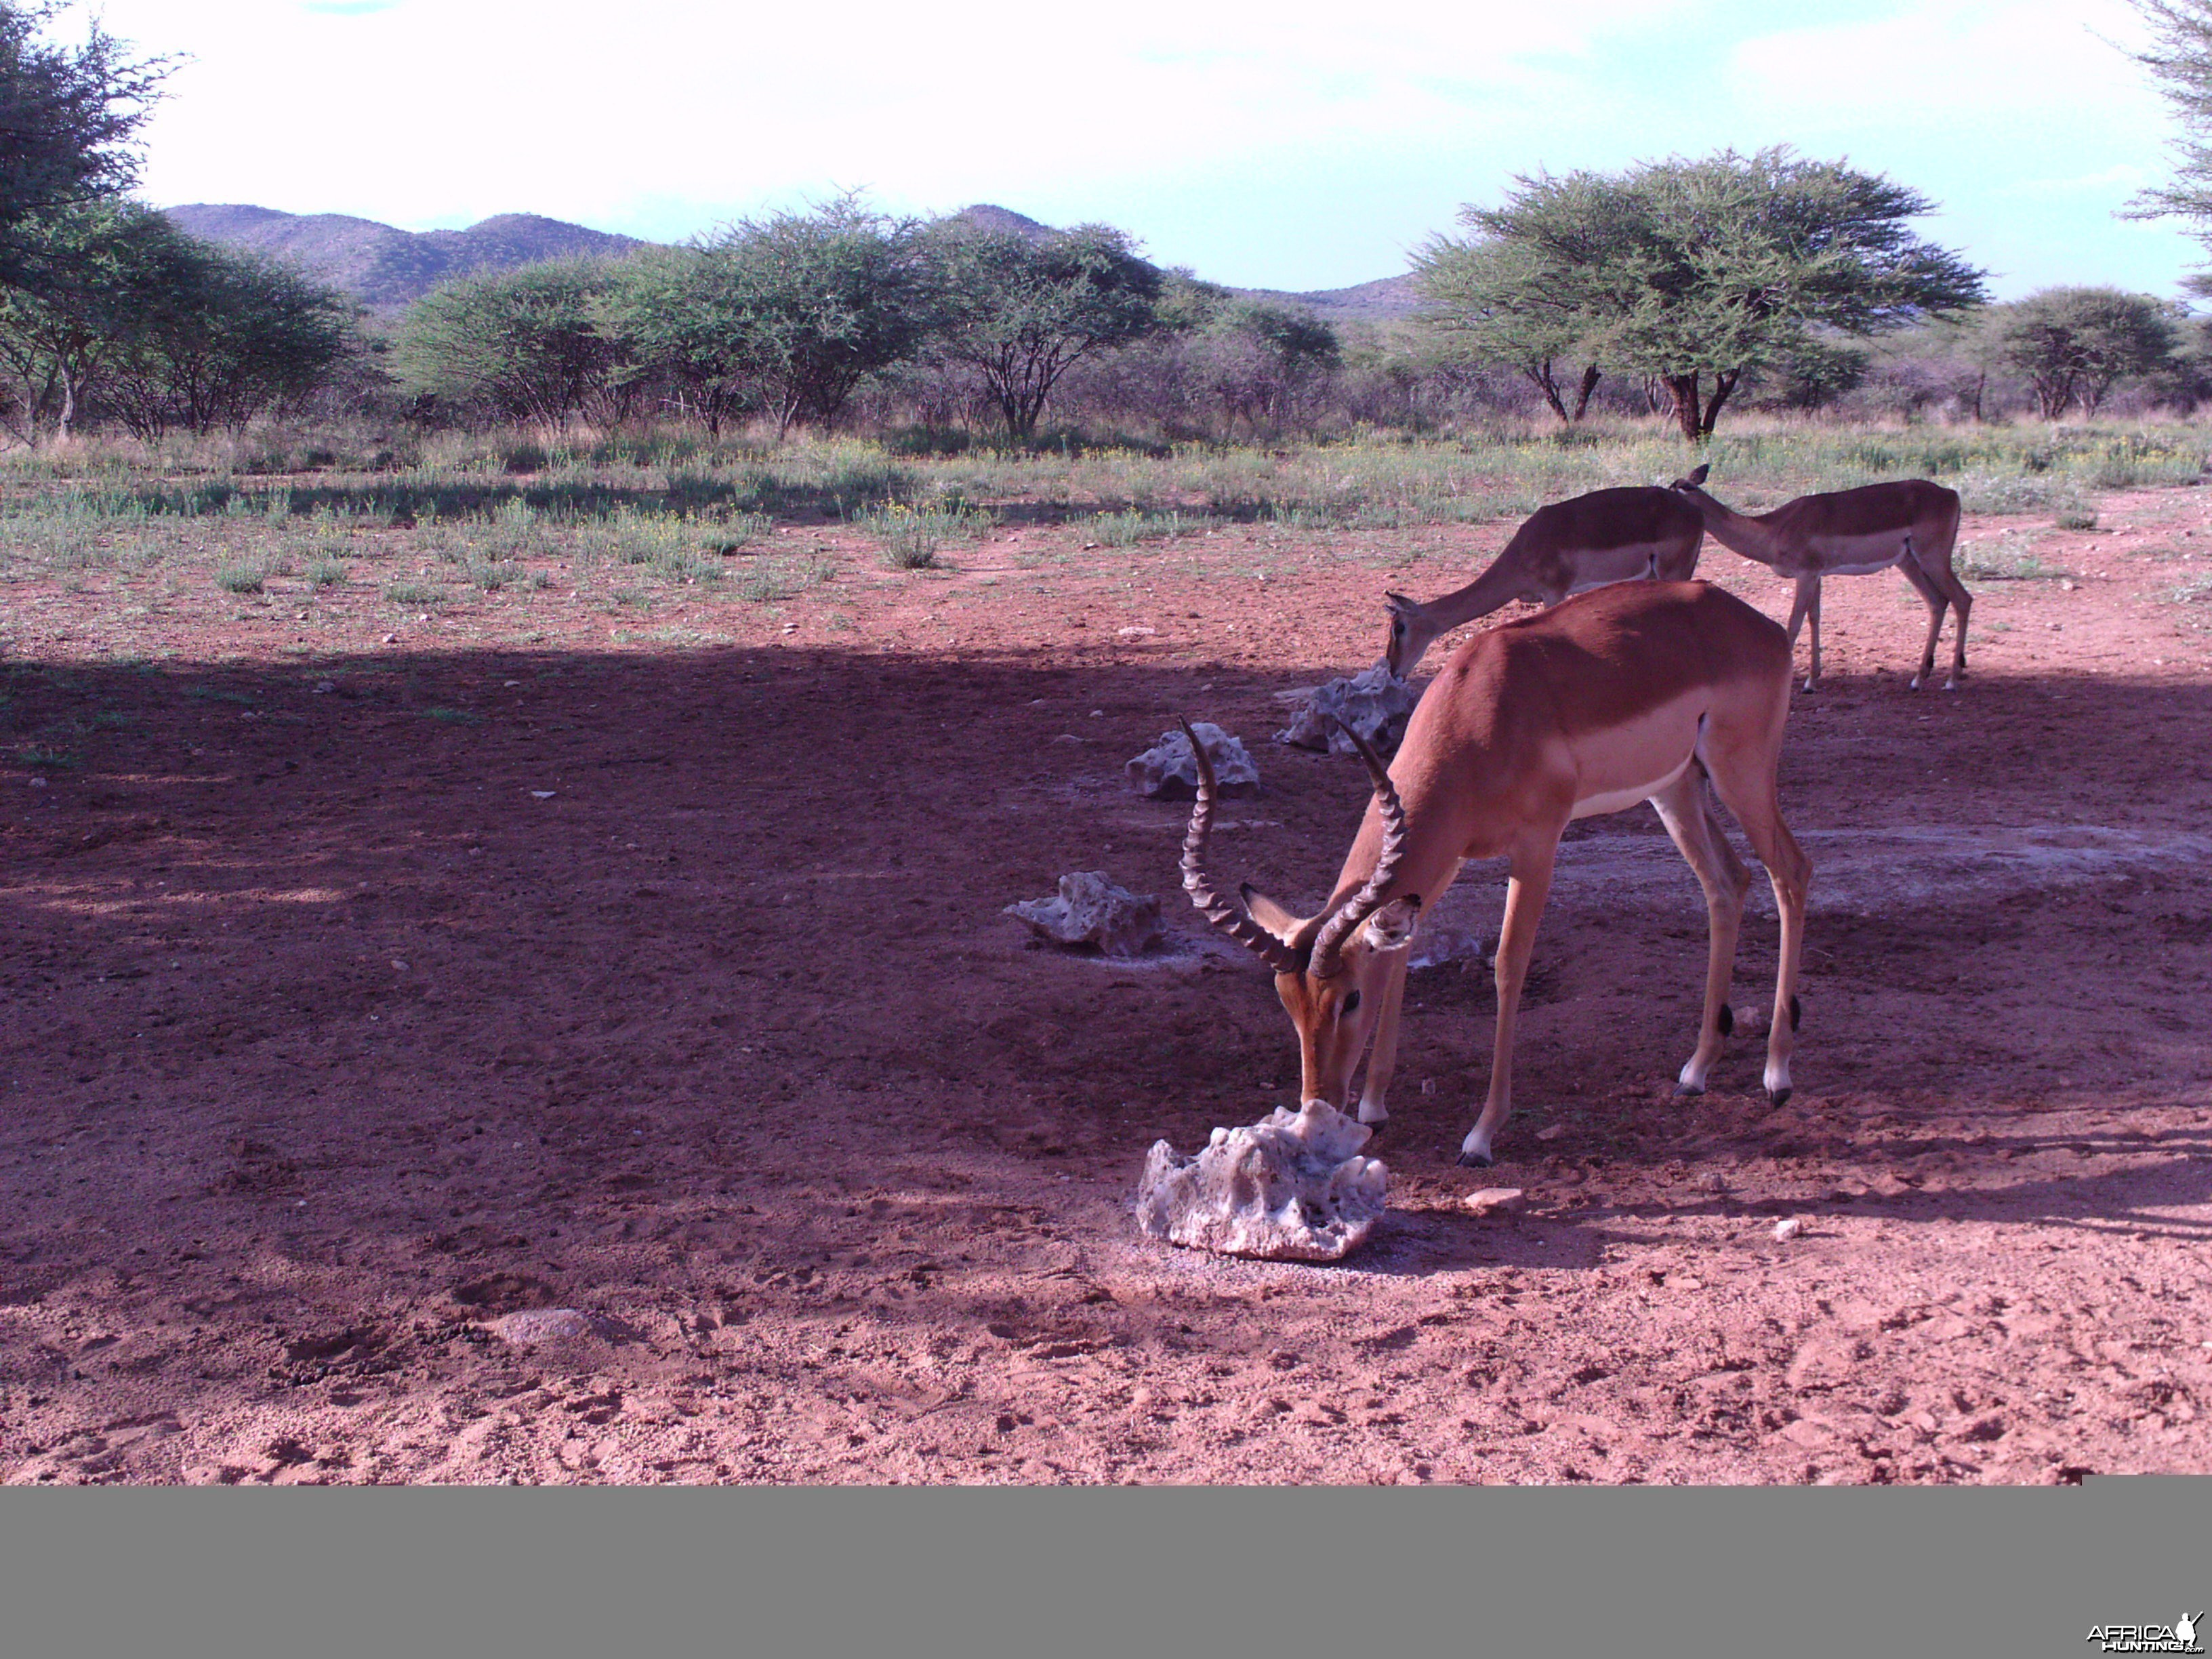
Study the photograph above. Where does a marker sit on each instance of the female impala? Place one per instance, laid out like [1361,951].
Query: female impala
[1607,536]
[1912,525]
[1631,692]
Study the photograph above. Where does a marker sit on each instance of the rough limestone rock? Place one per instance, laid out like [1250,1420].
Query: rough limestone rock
[534,1325]
[1168,771]
[1091,910]
[1375,704]
[1292,1187]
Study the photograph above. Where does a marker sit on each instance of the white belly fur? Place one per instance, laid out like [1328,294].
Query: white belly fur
[1617,800]
[1616,564]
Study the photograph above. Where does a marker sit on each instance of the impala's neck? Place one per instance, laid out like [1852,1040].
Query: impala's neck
[1504,582]
[1738,532]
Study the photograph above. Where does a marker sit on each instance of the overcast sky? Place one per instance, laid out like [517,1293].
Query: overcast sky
[1268,142]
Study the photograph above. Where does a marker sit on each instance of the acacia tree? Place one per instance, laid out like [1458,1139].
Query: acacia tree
[55,337]
[1699,272]
[529,344]
[2072,344]
[68,117]
[2180,61]
[1021,312]
[1487,301]
[788,312]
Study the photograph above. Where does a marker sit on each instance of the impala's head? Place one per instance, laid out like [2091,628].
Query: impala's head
[1330,969]
[1695,480]
[1411,636]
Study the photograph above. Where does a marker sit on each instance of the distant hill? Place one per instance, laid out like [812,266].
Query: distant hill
[1385,300]
[385,267]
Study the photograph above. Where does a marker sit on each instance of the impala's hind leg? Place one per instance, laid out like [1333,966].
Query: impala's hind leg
[1525,893]
[1743,764]
[1682,808]
[1936,600]
[1935,565]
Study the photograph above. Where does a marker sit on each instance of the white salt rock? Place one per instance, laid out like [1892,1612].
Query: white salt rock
[541,1325]
[1498,1200]
[1291,1187]
[1168,771]
[1787,1229]
[1376,703]
[1090,909]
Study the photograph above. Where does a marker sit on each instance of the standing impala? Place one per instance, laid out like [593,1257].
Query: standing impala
[1607,536]
[1634,692]
[1854,532]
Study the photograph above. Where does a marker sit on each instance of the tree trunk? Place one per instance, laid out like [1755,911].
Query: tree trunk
[1590,376]
[1539,375]
[1684,390]
[69,407]
[1723,384]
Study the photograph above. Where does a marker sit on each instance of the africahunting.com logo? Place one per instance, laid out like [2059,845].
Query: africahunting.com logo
[2179,1637]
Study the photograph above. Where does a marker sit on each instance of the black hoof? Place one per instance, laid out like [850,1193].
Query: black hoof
[1684,1090]
[1779,1097]
[1476,1161]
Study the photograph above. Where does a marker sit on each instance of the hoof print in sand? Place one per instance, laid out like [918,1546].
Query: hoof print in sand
[1375,704]
[1091,910]
[1291,1187]
[1168,771]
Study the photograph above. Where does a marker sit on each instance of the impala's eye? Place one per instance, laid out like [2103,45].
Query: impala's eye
[1351,1006]
[1398,628]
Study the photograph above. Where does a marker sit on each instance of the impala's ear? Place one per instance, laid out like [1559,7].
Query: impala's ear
[1391,928]
[1269,915]
[1398,602]
[1705,469]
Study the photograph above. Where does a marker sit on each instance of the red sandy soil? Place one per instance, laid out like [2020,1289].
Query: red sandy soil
[328,1042]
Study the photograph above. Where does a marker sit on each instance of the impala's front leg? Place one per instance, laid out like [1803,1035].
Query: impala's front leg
[1529,885]
[1383,1059]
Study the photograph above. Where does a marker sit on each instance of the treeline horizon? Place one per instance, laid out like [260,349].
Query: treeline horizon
[1684,288]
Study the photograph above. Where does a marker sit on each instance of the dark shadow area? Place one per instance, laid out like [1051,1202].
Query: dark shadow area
[418,985]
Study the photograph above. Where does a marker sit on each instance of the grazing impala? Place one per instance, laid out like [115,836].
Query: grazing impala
[1854,532]
[1607,536]
[1634,692]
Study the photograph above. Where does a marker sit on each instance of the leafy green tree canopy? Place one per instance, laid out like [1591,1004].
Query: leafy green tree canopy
[1696,272]
[2072,344]
[1021,313]
[528,344]
[789,313]
[68,117]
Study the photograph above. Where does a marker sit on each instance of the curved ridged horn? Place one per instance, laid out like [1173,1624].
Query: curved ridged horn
[1222,914]
[1368,899]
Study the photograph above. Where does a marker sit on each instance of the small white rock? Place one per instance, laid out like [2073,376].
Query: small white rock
[1551,1131]
[541,1325]
[1786,1229]
[542,794]
[1498,1200]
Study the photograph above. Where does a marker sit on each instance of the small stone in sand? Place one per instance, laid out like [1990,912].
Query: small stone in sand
[1786,1229]
[541,1325]
[1498,1200]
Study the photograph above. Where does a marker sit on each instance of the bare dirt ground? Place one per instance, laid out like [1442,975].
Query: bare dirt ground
[362,991]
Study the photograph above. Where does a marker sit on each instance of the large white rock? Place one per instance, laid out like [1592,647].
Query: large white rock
[1090,909]
[1168,771]
[1374,703]
[1291,1187]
